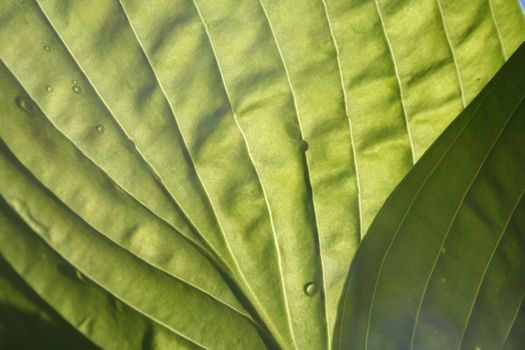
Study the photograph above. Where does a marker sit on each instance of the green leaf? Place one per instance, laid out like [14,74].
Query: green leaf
[240,149]
[150,291]
[515,337]
[23,312]
[78,184]
[105,320]
[409,68]
[442,265]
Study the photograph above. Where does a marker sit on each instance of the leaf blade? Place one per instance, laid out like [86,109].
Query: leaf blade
[368,325]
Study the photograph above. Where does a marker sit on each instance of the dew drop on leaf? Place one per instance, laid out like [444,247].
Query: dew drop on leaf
[49,88]
[119,306]
[100,128]
[47,48]
[303,146]
[77,89]
[310,288]
[75,82]
[79,275]
[24,104]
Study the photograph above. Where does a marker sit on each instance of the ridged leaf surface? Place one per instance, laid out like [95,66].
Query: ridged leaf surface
[236,151]
[443,264]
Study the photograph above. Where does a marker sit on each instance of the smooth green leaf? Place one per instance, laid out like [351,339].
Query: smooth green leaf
[445,259]
[516,337]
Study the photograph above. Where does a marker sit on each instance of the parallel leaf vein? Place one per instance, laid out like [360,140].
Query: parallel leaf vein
[452,53]
[94,280]
[495,22]
[454,217]
[250,155]
[242,313]
[484,275]
[347,111]
[512,322]
[398,79]
[161,87]
[411,204]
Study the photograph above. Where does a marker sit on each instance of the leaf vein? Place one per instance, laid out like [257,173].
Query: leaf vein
[454,217]
[482,279]
[495,22]
[411,204]
[398,79]
[243,314]
[512,322]
[90,277]
[452,53]
[223,81]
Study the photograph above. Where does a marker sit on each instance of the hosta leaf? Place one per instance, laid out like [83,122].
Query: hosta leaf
[250,141]
[264,279]
[172,302]
[105,320]
[409,67]
[150,239]
[516,337]
[444,258]
[80,116]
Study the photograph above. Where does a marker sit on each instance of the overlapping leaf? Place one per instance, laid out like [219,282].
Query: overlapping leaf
[443,264]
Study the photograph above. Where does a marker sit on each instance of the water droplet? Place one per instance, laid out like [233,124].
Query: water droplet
[47,48]
[132,147]
[75,82]
[310,288]
[77,89]
[100,128]
[79,275]
[443,250]
[49,88]
[119,306]
[24,104]
[477,347]
[303,146]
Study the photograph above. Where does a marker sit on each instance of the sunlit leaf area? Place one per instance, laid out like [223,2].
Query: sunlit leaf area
[262,174]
